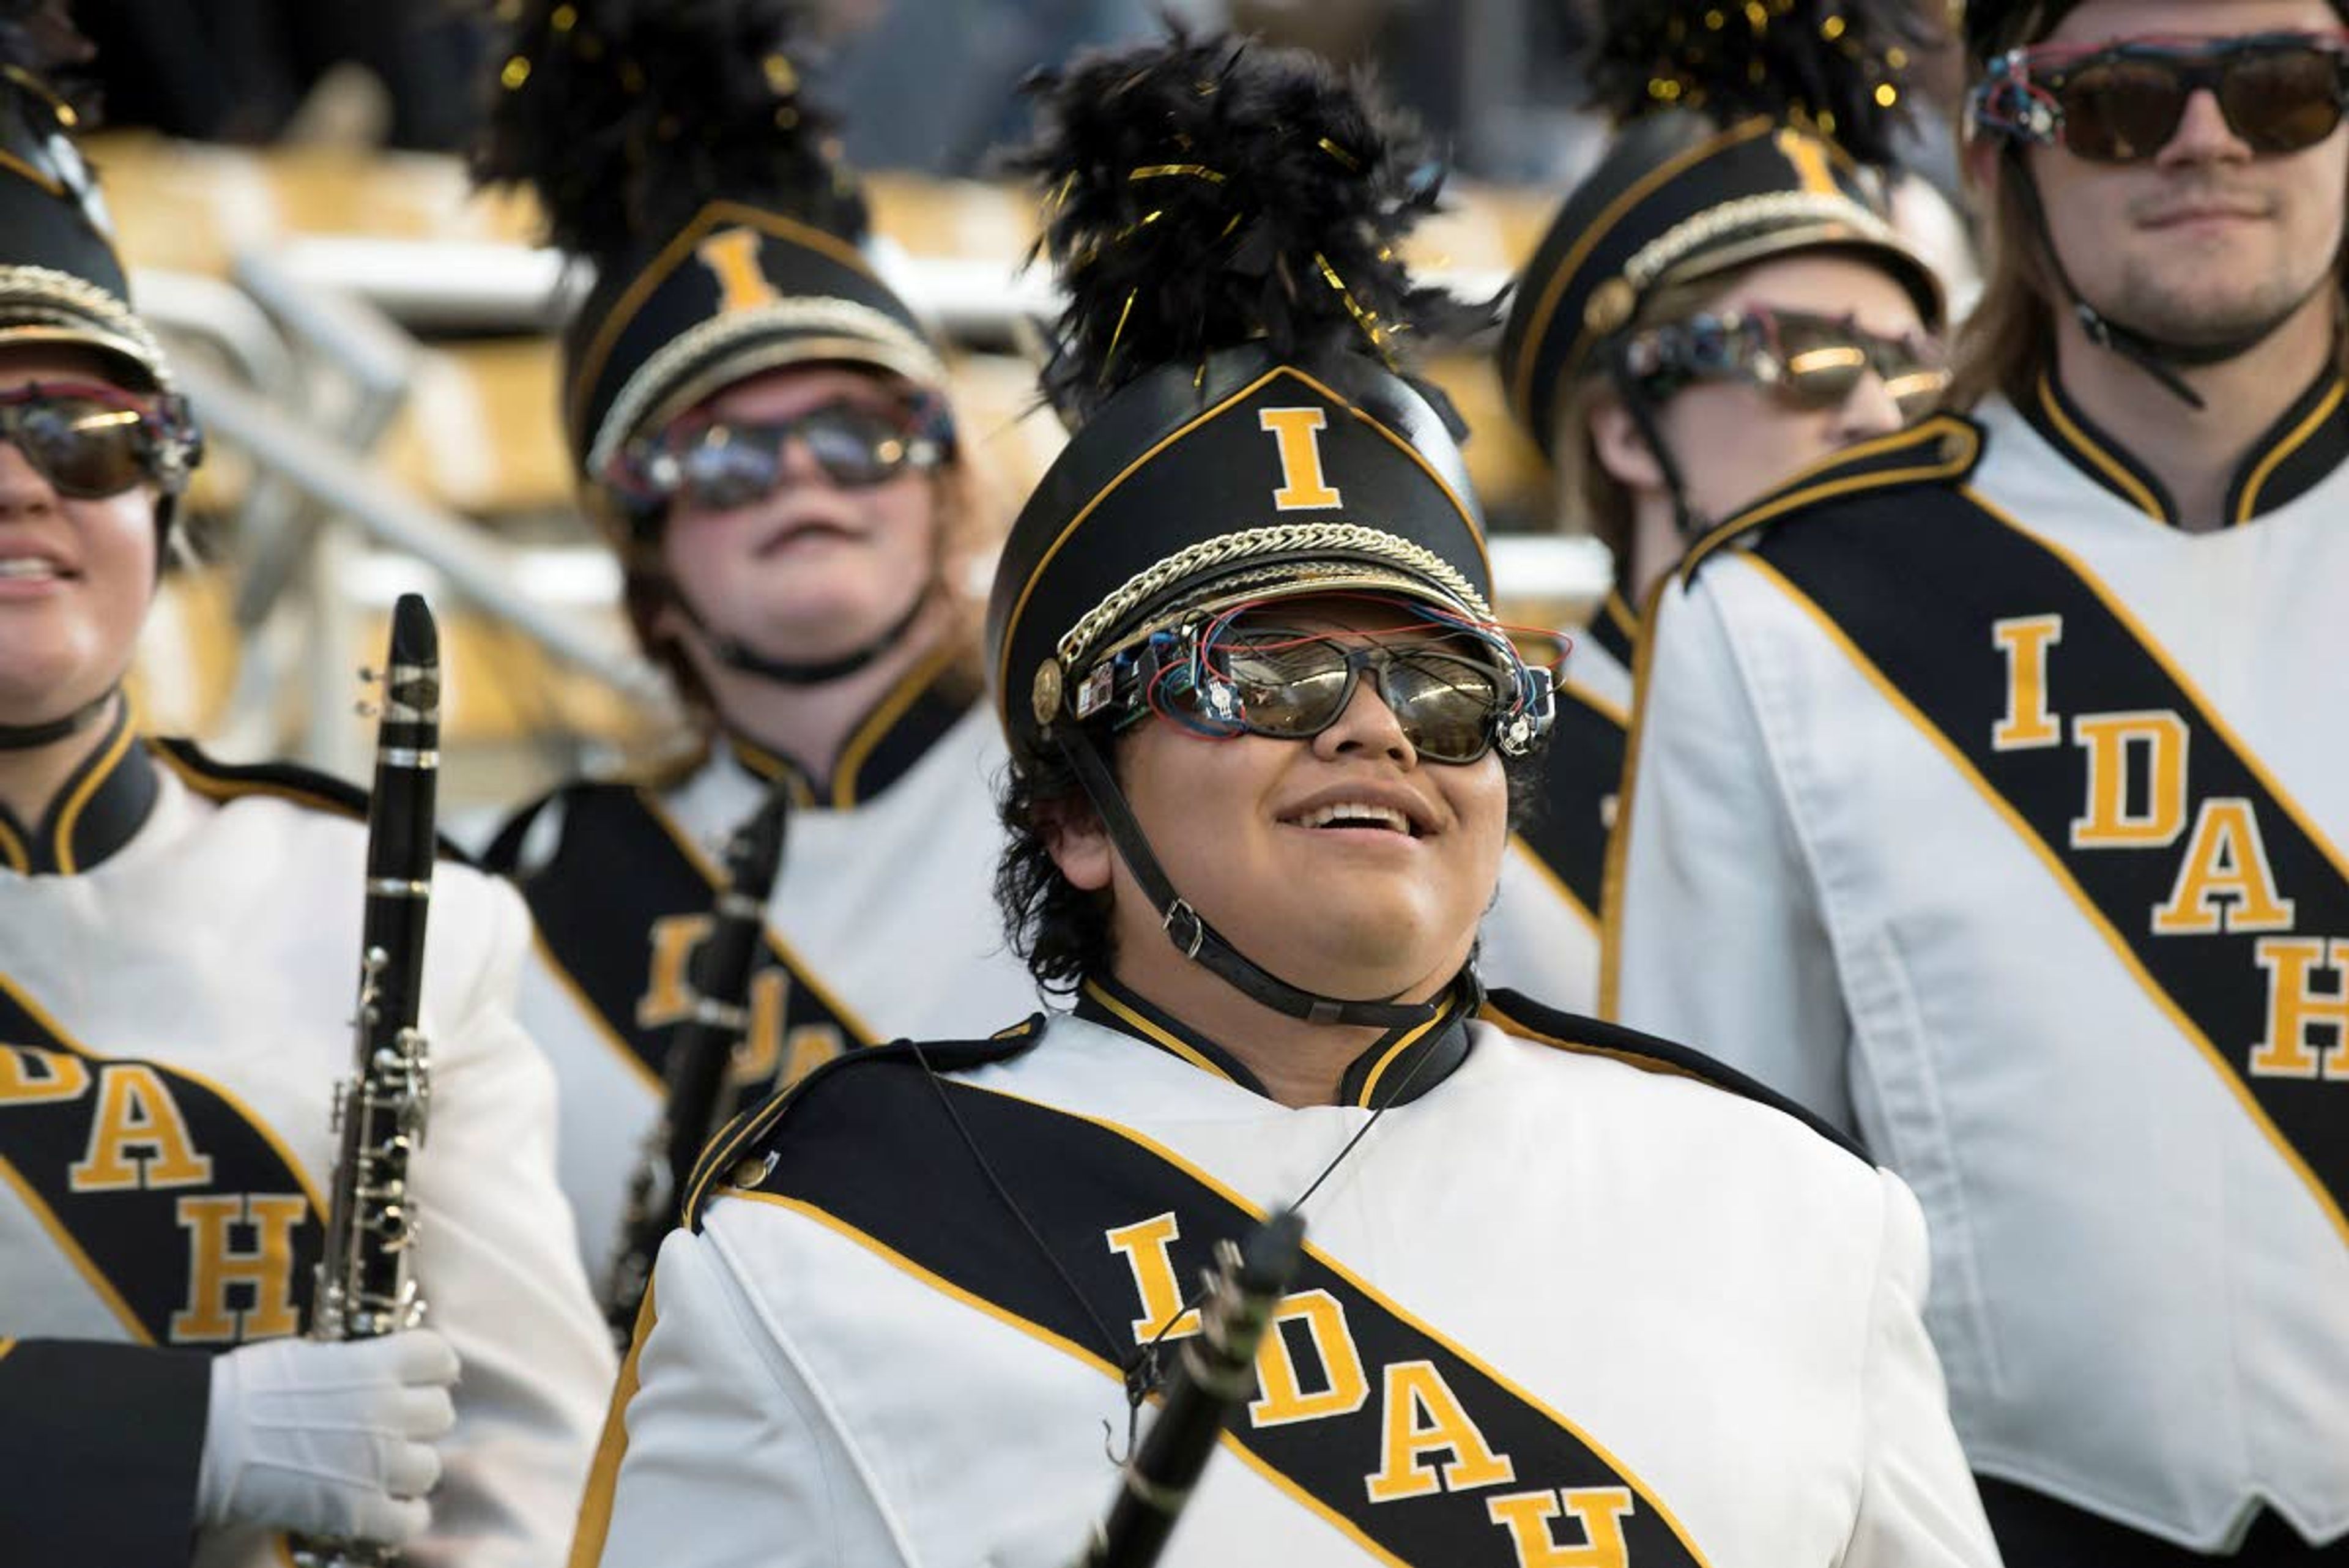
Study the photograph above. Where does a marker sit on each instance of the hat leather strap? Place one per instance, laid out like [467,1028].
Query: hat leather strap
[1190,932]
[1637,404]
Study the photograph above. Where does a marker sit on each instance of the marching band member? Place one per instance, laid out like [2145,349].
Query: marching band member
[1571,1294]
[179,958]
[761,427]
[1979,797]
[1721,303]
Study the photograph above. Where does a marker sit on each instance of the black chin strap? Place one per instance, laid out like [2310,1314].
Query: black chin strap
[1200,941]
[30,737]
[736,654]
[1685,519]
[2157,357]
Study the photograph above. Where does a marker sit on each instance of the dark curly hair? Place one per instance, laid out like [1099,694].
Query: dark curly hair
[1062,930]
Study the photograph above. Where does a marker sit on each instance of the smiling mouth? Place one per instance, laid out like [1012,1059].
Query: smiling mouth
[2180,216]
[784,538]
[31,569]
[1355,815]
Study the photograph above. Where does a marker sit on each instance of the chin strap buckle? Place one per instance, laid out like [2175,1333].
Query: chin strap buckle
[1180,913]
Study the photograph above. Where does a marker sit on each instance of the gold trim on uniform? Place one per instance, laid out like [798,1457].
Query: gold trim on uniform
[2248,507]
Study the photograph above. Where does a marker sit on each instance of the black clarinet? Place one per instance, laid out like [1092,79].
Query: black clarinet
[365,1288]
[700,1054]
[1214,1371]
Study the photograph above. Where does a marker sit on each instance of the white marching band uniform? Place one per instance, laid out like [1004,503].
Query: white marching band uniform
[1567,1302]
[179,981]
[882,922]
[2049,921]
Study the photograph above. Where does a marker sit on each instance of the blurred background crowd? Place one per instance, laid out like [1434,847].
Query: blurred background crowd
[371,338]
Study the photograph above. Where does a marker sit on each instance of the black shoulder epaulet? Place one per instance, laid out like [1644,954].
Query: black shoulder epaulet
[1942,449]
[1523,1016]
[219,781]
[503,855]
[746,1137]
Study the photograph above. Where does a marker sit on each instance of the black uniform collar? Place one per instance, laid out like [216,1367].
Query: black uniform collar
[1615,626]
[897,732]
[2292,456]
[1399,1066]
[93,814]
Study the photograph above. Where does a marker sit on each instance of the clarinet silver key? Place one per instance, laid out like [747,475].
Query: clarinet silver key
[365,1285]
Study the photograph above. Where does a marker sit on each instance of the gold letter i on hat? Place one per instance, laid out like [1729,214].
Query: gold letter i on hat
[1303,486]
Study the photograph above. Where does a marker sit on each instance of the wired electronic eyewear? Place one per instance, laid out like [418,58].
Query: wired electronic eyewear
[1812,361]
[1456,689]
[2122,102]
[717,465]
[89,441]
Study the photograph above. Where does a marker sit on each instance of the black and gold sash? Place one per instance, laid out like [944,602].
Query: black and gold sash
[1364,1414]
[1582,770]
[2217,891]
[185,1212]
[619,909]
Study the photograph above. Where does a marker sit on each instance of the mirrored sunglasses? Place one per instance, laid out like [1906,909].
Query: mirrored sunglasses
[717,465]
[1811,361]
[90,442]
[1456,695]
[2119,103]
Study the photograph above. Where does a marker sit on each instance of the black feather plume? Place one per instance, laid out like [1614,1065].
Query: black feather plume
[1837,65]
[627,115]
[1202,191]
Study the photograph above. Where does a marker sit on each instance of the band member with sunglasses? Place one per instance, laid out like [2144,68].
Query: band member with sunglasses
[1570,1293]
[1989,770]
[760,428]
[178,955]
[1721,303]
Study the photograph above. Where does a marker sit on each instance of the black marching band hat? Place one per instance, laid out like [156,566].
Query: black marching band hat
[1225,218]
[1994,26]
[61,280]
[1746,131]
[1233,358]
[671,146]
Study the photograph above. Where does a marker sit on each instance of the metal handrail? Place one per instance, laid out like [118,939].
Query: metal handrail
[389,513]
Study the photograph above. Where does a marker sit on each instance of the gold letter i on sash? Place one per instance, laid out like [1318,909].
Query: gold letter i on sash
[1144,1246]
[1303,486]
[2025,640]
[732,257]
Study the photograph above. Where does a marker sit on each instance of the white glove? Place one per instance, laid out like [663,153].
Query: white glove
[328,1438]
